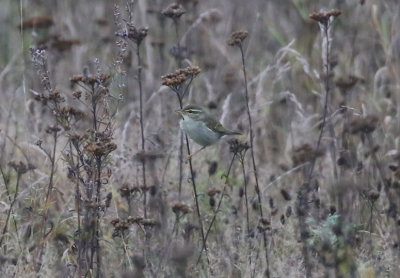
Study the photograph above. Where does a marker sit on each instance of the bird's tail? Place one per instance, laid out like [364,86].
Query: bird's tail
[233,132]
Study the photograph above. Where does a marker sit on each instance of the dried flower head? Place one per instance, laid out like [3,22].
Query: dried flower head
[180,209]
[285,195]
[20,167]
[213,191]
[176,79]
[108,199]
[305,153]
[100,148]
[237,38]
[264,224]
[148,222]
[173,11]
[173,79]
[62,45]
[212,168]
[133,33]
[37,22]
[363,125]
[238,148]
[347,82]
[190,71]
[213,15]
[125,191]
[372,195]
[324,17]
[288,211]
[53,129]
[91,80]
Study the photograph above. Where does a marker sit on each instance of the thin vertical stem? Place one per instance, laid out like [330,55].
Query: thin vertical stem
[97,230]
[139,77]
[326,87]
[196,198]
[218,206]
[180,154]
[10,209]
[265,240]
[247,207]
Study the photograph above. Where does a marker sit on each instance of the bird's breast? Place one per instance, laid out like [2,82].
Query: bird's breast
[199,132]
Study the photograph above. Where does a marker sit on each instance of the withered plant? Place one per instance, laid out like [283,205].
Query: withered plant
[88,162]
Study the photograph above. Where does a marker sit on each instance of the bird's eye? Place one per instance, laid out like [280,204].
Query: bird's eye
[190,111]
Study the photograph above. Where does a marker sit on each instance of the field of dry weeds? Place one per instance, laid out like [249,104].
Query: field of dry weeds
[95,178]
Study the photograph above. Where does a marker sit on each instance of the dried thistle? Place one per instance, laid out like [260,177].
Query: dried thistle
[264,225]
[305,153]
[64,44]
[125,191]
[212,168]
[180,209]
[372,195]
[148,222]
[133,33]
[237,38]
[180,80]
[52,129]
[91,80]
[325,17]
[100,148]
[363,125]
[173,79]
[173,11]
[20,167]
[238,148]
[285,195]
[36,22]
[347,82]
[108,200]
[213,191]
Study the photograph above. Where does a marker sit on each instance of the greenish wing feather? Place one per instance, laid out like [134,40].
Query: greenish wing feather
[215,125]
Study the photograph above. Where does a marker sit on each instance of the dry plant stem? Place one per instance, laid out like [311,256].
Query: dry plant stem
[265,240]
[78,209]
[179,63]
[218,206]
[97,230]
[52,158]
[180,163]
[180,151]
[391,198]
[139,77]
[247,207]
[327,88]
[169,242]
[204,245]
[178,48]
[95,246]
[304,199]
[6,181]
[302,209]
[10,210]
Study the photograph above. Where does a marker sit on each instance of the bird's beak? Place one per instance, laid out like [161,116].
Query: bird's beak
[179,111]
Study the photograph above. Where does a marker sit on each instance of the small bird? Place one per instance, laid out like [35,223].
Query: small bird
[201,126]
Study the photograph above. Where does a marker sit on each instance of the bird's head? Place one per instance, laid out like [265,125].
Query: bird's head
[194,112]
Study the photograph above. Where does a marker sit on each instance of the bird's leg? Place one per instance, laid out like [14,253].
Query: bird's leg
[190,156]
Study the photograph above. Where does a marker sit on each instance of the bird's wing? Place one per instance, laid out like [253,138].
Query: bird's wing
[215,125]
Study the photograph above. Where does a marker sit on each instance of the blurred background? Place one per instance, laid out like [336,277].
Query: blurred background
[352,220]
